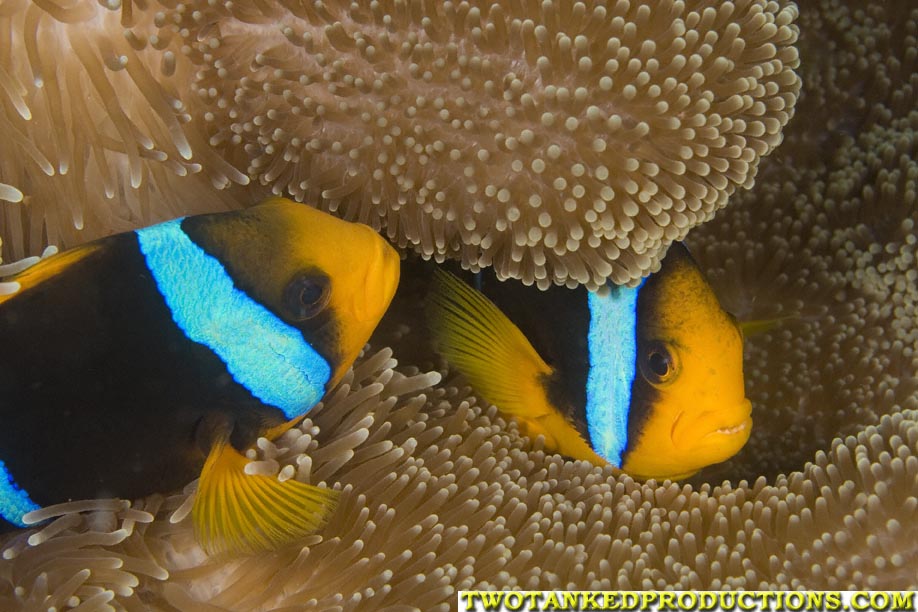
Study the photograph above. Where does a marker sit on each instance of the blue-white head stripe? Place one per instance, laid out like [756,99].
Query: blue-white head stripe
[262,353]
[14,501]
[613,360]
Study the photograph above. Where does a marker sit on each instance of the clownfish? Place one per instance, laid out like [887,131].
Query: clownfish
[648,379]
[135,363]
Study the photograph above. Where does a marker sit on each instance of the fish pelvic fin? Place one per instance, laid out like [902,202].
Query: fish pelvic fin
[492,353]
[273,432]
[236,512]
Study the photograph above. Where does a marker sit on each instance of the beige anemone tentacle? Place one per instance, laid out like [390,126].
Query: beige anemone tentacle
[558,142]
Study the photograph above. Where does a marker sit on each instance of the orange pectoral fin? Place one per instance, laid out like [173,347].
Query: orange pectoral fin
[238,512]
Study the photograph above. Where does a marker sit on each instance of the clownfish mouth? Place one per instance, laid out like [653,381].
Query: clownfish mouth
[739,429]
[729,431]
[716,426]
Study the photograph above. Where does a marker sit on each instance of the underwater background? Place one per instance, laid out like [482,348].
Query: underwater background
[439,492]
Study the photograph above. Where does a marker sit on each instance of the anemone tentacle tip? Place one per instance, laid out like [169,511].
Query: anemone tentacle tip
[556,142]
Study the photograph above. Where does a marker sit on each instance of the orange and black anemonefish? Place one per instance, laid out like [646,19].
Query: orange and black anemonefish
[647,378]
[130,362]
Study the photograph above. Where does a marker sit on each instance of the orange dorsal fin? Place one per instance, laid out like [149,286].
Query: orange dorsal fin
[500,363]
[47,268]
[760,326]
[492,353]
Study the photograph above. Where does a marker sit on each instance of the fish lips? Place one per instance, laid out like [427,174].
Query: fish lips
[730,426]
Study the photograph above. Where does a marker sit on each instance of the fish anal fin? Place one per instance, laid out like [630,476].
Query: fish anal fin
[482,343]
[236,512]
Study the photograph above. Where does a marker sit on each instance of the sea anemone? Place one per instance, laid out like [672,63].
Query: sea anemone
[96,136]
[440,493]
[826,243]
[553,141]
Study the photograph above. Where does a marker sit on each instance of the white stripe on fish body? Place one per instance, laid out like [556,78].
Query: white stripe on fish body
[264,354]
[14,501]
[612,343]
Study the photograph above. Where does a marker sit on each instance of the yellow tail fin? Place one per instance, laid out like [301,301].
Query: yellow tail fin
[238,512]
[492,353]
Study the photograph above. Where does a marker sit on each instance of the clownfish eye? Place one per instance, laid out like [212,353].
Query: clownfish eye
[306,296]
[658,365]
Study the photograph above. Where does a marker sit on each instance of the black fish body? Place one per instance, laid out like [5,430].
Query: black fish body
[139,410]
[648,378]
[130,361]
